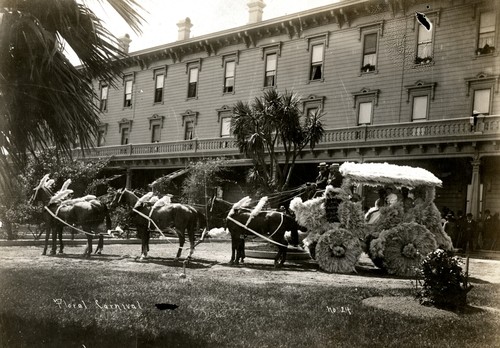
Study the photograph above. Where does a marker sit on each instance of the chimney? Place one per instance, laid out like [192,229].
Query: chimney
[255,10]
[124,42]
[184,29]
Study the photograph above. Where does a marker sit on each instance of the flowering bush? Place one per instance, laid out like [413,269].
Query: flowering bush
[445,285]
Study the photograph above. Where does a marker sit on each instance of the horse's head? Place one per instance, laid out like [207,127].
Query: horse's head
[42,192]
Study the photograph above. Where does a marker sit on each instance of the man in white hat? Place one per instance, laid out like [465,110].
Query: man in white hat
[322,178]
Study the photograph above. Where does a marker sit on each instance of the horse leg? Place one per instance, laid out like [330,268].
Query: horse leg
[100,245]
[47,234]
[191,242]
[241,249]
[283,258]
[61,246]
[182,239]
[88,250]
[235,242]
[54,240]
[144,243]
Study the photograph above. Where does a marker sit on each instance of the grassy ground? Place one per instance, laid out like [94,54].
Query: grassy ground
[217,307]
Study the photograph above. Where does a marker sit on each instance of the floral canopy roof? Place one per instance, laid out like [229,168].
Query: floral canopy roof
[375,174]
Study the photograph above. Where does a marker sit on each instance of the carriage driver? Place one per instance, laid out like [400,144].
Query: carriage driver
[321,181]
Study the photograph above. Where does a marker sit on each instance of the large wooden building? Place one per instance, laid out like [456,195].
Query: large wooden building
[395,86]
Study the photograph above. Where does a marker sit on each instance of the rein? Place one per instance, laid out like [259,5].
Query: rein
[73,227]
[263,237]
[150,220]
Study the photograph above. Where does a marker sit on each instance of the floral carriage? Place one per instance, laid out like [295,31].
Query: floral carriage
[397,241]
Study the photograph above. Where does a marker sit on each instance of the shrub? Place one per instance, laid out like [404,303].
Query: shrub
[445,285]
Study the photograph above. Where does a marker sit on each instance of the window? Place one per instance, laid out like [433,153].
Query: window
[128,94]
[481,89]
[100,138]
[481,102]
[225,129]
[270,77]
[159,82]
[424,45]
[193,82]
[420,108]
[369,52]
[364,101]
[317,62]
[420,94]
[103,105]
[101,134]
[155,133]
[365,113]
[486,36]
[189,130]
[125,135]
[311,105]
[229,76]
[310,112]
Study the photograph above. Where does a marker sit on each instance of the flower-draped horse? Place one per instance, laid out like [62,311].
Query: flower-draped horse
[86,212]
[160,215]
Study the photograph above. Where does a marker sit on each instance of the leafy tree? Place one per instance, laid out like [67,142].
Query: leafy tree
[46,101]
[14,207]
[274,125]
[203,179]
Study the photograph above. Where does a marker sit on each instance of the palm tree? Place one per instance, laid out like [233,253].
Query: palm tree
[45,101]
[275,123]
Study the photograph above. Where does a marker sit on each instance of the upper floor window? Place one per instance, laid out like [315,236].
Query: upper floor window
[364,101]
[103,103]
[189,130]
[365,110]
[420,94]
[271,63]
[225,128]
[481,89]
[424,45]
[155,133]
[193,83]
[369,62]
[229,76]
[101,134]
[420,108]
[486,33]
[159,83]
[481,101]
[125,133]
[127,102]
[317,62]
[156,125]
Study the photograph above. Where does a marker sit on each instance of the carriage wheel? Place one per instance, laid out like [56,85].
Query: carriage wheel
[405,246]
[337,251]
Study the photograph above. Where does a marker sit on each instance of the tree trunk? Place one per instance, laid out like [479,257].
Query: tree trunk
[8,228]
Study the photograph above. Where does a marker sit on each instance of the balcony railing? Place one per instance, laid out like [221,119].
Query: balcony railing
[373,135]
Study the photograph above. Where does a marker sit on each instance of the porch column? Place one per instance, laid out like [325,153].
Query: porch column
[128,183]
[475,185]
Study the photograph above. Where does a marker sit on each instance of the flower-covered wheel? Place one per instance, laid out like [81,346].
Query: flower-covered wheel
[338,250]
[402,248]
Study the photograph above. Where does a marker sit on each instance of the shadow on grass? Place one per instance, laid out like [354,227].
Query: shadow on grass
[20,332]
[195,263]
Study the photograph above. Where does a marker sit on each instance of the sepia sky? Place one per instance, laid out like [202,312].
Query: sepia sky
[207,16]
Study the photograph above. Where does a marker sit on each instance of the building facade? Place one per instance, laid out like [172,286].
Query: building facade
[408,82]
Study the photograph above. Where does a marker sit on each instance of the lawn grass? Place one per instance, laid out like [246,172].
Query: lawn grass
[214,312]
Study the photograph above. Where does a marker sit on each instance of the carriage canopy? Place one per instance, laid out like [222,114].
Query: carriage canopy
[374,174]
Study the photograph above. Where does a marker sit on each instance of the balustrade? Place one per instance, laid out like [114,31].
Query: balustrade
[440,130]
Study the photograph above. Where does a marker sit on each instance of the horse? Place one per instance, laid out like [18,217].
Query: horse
[181,217]
[89,215]
[274,224]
